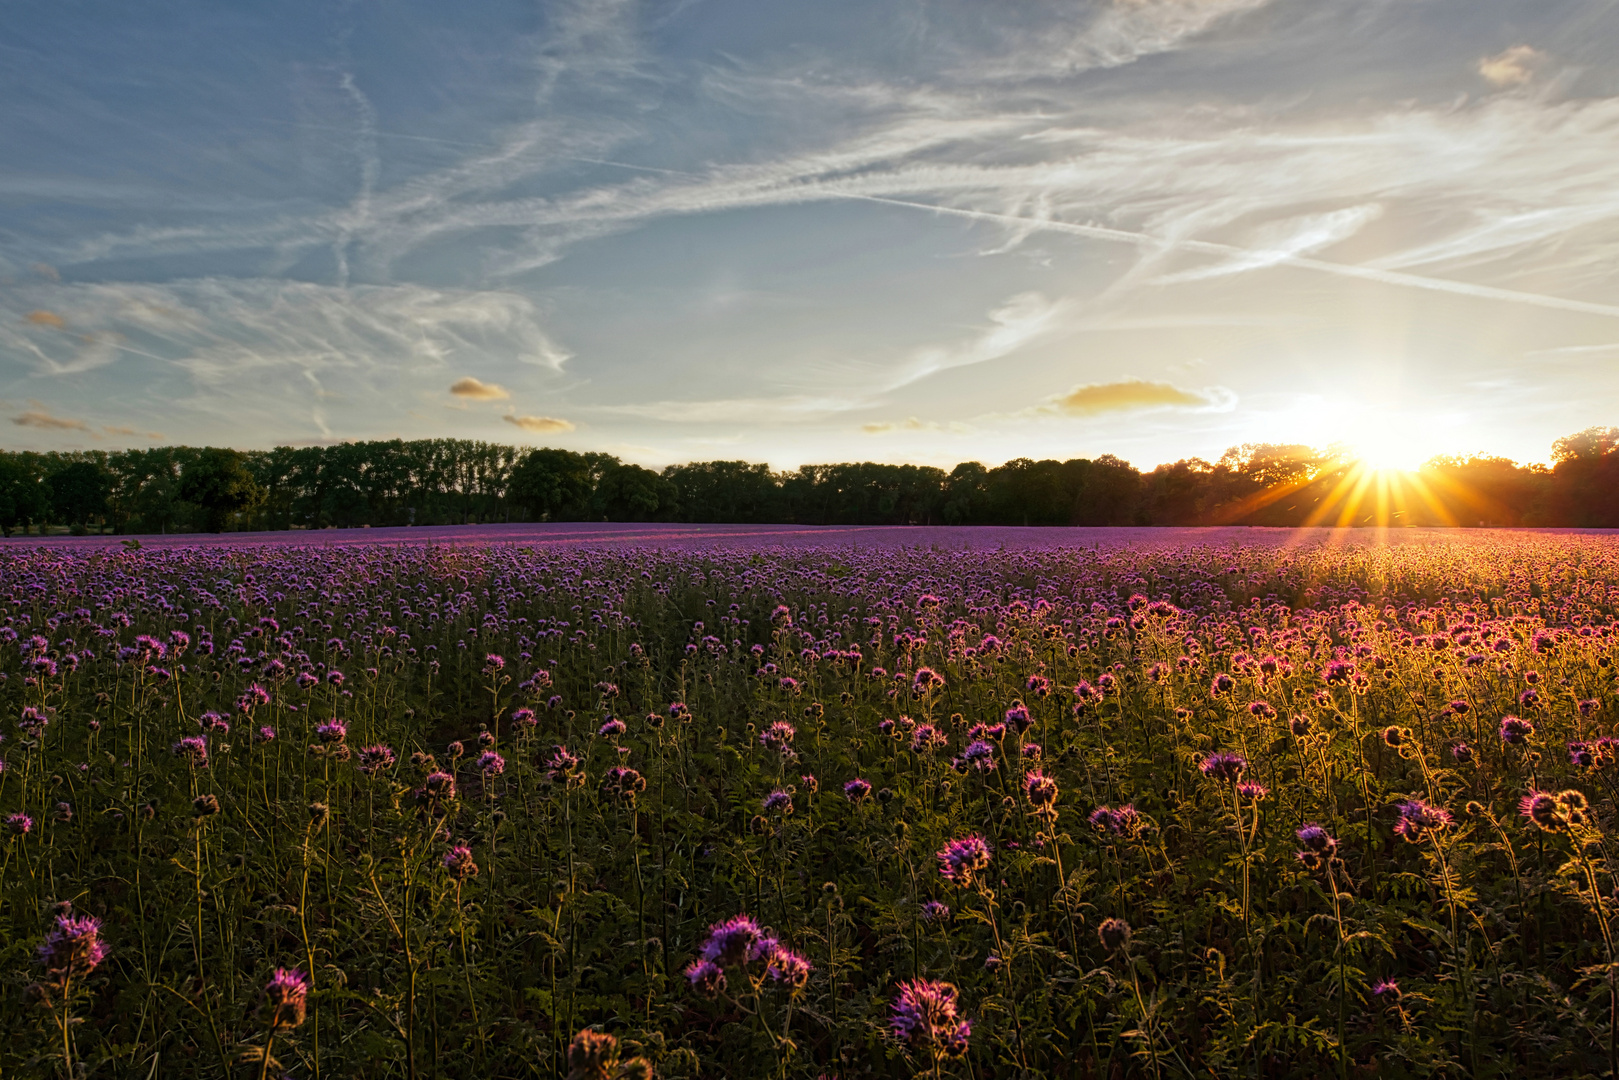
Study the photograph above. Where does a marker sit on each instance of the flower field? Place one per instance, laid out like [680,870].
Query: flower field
[925,803]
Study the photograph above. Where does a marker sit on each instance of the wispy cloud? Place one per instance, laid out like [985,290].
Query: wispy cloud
[478,391]
[120,429]
[42,418]
[540,425]
[41,317]
[885,427]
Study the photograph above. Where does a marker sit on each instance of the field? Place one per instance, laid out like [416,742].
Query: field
[978,803]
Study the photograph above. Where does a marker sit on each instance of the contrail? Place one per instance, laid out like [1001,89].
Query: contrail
[1385,277]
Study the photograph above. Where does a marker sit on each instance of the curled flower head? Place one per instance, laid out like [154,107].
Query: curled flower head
[960,860]
[1224,765]
[1252,791]
[783,965]
[612,729]
[1114,934]
[856,789]
[1555,813]
[1418,819]
[334,731]
[458,861]
[193,749]
[19,824]
[621,782]
[1120,821]
[563,768]
[1515,731]
[1040,788]
[286,997]
[732,943]
[925,1018]
[491,764]
[778,802]
[934,912]
[706,977]
[978,755]
[374,759]
[492,663]
[1017,717]
[73,948]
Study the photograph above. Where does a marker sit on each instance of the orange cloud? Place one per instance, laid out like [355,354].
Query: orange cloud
[41,317]
[1127,396]
[542,425]
[39,418]
[1513,67]
[479,391]
[110,429]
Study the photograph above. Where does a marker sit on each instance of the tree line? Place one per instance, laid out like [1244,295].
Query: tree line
[456,481]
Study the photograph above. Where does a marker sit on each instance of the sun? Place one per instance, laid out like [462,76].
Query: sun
[1388,454]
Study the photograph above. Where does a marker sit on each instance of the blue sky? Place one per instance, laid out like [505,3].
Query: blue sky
[921,230]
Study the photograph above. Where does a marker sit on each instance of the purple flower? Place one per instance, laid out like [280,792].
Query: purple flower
[1252,791]
[334,677]
[458,861]
[778,736]
[73,949]
[1040,788]
[19,824]
[612,729]
[706,977]
[979,755]
[778,802]
[1017,717]
[373,759]
[786,966]
[925,1018]
[1515,731]
[286,995]
[493,663]
[491,763]
[264,734]
[1418,819]
[1386,988]
[731,943]
[1319,846]
[563,768]
[933,911]
[856,789]
[1123,821]
[960,859]
[194,748]
[1224,765]
[333,732]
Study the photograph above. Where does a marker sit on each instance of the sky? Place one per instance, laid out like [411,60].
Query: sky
[924,231]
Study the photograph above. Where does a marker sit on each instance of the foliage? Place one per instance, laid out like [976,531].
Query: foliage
[257,764]
[455,481]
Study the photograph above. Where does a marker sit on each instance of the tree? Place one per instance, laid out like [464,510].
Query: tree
[219,483]
[553,485]
[79,492]
[24,496]
[631,493]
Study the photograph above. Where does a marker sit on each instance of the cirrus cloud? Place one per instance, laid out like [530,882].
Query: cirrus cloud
[540,425]
[478,390]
